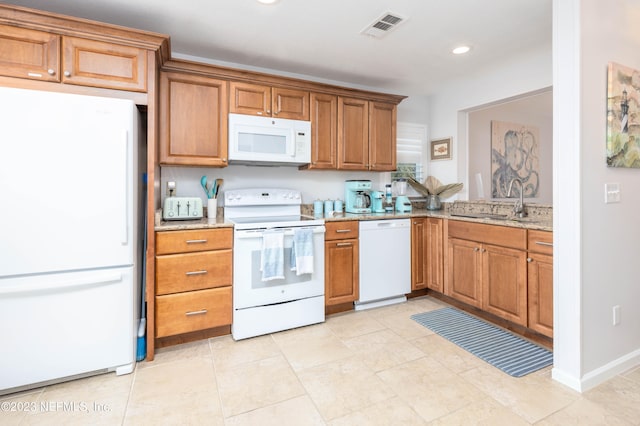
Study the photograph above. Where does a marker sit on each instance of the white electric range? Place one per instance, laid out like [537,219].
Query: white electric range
[262,307]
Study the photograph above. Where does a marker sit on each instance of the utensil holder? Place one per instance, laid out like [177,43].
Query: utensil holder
[212,208]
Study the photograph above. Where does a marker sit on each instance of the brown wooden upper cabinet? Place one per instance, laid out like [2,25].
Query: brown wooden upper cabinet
[193,120]
[267,101]
[29,54]
[40,55]
[353,134]
[366,135]
[324,131]
[382,136]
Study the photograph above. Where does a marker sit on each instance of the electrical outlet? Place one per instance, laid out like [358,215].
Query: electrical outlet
[171,189]
[611,193]
[616,315]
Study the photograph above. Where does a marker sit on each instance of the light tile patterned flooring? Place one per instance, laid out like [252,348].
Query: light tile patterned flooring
[374,367]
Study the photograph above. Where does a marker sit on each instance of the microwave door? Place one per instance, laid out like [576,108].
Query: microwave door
[265,141]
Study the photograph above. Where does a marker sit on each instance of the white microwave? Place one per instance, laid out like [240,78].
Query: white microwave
[268,141]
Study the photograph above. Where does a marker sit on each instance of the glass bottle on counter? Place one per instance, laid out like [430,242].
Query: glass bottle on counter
[388,199]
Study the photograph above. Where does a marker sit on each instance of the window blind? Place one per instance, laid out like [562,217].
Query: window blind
[410,151]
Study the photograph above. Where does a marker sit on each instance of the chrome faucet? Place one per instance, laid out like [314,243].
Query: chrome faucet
[518,209]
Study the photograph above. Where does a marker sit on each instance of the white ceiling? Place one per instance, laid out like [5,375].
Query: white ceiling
[321,38]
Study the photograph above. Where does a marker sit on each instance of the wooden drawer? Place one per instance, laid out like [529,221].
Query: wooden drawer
[491,234]
[192,311]
[176,273]
[540,241]
[193,240]
[341,230]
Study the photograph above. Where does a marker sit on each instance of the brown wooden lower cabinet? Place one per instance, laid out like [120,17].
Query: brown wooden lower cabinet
[341,263]
[540,280]
[193,290]
[504,283]
[427,254]
[487,268]
[191,311]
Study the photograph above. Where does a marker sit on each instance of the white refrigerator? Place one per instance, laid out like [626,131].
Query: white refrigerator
[69,258]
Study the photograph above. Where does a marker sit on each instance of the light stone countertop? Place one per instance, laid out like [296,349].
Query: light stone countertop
[539,216]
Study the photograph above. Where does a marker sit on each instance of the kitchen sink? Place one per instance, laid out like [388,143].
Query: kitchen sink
[526,219]
[504,217]
[482,216]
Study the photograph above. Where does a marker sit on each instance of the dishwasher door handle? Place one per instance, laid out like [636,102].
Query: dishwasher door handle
[385,224]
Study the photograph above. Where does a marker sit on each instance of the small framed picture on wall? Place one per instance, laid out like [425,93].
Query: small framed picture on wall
[441,149]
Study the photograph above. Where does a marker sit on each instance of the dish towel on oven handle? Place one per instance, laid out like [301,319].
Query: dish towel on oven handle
[272,255]
[302,251]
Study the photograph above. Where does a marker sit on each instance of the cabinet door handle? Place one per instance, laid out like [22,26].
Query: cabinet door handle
[51,71]
[544,243]
[342,231]
[67,73]
[529,260]
[196,272]
[476,249]
[483,250]
[196,241]
[200,312]
[344,244]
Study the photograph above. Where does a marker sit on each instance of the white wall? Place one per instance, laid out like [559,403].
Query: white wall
[526,73]
[534,110]
[314,184]
[609,232]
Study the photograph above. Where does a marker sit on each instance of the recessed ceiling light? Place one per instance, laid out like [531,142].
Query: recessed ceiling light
[460,50]
[267,1]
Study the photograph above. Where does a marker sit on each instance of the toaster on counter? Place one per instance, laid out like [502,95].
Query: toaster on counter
[182,208]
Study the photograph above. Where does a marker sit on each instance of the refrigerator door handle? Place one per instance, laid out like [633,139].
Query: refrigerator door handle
[62,285]
[125,230]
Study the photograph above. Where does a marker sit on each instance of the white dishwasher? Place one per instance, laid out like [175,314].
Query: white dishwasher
[385,262]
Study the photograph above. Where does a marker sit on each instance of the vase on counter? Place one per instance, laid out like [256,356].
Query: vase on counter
[212,208]
[433,202]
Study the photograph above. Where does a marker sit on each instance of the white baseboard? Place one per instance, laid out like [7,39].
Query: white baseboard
[599,375]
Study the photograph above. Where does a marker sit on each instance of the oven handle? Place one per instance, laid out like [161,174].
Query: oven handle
[257,233]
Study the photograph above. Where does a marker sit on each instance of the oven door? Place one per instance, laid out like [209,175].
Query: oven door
[248,288]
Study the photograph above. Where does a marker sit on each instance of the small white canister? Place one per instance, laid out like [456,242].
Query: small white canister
[337,206]
[328,207]
[318,208]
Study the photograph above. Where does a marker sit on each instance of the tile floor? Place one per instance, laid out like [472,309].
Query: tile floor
[375,367]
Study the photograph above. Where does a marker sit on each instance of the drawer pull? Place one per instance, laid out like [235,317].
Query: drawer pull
[192,313]
[196,241]
[544,243]
[196,272]
[344,244]
[342,231]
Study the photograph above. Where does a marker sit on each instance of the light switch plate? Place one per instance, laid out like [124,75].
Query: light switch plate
[611,193]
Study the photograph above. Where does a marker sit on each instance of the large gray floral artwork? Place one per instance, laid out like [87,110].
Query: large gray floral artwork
[514,154]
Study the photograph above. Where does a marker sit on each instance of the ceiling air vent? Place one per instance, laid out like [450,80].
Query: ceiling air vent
[383,25]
